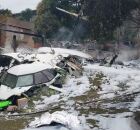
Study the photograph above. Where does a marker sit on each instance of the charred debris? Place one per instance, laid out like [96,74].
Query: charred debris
[24,75]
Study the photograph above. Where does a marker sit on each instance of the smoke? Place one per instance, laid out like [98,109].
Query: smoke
[77,32]
[63,34]
[129,54]
[7,48]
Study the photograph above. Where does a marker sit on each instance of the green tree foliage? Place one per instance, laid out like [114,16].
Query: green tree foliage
[104,16]
[46,22]
[135,18]
[26,15]
[49,19]
[5,12]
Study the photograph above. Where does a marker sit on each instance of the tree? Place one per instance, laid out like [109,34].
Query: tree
[46,23]
[131,27]
[135,18]
[106,15]
[5,12]
[49,20]
[26,15]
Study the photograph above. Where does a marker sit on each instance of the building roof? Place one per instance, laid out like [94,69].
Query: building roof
[10,21]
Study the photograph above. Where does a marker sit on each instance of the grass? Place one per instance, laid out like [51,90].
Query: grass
[97,80]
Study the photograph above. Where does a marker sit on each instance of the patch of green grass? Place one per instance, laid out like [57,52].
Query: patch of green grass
[92,93]
[88,96]
[123,86]
[97,80]
[92,122]
[13,124]
[97,110]
[116,111]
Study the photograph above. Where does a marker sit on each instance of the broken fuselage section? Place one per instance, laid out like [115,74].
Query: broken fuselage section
[28,74]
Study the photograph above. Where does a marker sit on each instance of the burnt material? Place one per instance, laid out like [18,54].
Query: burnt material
[113,60]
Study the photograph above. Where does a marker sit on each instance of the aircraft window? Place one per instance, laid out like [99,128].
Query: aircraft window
[25,80]
[10,80]
[3,75]
[40,78]
[50,74]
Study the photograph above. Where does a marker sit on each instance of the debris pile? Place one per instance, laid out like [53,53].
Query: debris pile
[57,120]
[26,74]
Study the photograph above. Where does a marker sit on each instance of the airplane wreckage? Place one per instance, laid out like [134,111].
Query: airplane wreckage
[56,121]
[24,75]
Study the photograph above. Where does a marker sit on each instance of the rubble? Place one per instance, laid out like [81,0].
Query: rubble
[18,75]
[58,119]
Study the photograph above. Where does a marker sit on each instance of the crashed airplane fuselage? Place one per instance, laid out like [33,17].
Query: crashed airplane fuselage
[26,73]
[22,78]
[46,55]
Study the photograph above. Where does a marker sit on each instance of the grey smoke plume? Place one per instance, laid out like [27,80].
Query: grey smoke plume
[129,54]
[63,34]
[7,48]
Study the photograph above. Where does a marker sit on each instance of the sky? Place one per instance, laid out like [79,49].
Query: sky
[17,6]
